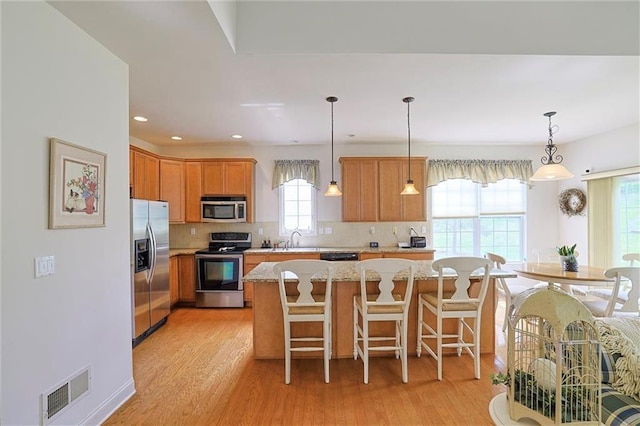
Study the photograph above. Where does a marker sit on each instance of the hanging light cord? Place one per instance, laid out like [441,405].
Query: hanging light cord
[331,102]
[409,136]
[408,101]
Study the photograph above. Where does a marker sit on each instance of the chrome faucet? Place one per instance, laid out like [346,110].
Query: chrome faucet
[290,242]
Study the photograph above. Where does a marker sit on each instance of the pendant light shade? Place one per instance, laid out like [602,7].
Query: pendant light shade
[550,169]
[332,190]
[409,187]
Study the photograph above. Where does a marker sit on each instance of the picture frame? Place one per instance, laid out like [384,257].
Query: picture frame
[76,186]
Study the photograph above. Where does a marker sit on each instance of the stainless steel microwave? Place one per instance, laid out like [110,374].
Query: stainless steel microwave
[223,209]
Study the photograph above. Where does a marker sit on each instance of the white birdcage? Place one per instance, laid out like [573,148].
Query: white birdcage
[553,359]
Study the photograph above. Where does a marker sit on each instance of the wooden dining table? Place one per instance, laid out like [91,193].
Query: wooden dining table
[555,275]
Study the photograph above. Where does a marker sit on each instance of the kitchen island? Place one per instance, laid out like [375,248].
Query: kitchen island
[268,329]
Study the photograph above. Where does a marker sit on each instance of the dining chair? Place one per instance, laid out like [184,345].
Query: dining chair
[506,290]
[386,304]
[614,306]
[623,292]
[631,258]
[310,302]
[459,305]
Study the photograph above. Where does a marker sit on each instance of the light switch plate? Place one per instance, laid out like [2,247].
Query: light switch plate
[45,266]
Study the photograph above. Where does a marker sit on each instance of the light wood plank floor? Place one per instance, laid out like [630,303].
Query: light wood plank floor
[198,370]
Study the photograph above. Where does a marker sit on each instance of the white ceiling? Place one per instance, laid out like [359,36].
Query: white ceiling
[481,72]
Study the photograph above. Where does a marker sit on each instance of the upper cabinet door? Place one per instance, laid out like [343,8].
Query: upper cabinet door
[235,178]
[213,178]
[360,190]
[192,191]
[172,188]
[145,175]
[391,184]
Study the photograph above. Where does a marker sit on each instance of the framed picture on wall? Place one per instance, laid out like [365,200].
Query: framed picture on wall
[76,186]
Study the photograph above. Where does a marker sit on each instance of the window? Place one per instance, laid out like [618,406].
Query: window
[297,207]
[626,216]
[613,215]
[470,220]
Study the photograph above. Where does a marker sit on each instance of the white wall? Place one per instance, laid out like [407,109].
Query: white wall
[609,151]
[59,82]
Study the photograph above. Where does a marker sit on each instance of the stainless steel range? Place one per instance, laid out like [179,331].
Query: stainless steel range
[219,270]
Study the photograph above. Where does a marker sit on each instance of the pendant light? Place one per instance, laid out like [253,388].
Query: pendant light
[332,190]
[550,169]
[409,187]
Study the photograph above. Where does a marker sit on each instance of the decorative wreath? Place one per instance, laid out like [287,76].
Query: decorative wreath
[572,202]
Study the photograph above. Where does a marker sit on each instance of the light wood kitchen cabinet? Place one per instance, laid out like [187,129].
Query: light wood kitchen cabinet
[253,260]
[172,188]
[359,190]
[184,182]
[174,280]
[250,261]
[230,177]
[225,177]
[146,173]
[187,268]
[397,255]
[414,207]
[393,175]
[372,186]
[192,191]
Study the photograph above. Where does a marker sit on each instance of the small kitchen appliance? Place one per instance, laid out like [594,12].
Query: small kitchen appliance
[222,209]
[418,242]
[219,270]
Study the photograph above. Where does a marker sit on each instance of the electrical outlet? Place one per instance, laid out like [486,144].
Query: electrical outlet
[423,229]
[394,230]
[260,231]
[372,230]
[328,231]
[193,231]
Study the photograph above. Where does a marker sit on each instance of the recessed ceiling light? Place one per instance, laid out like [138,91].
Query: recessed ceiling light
[294,141]
[176,138]
[140,118]
[351,135]
[236,136]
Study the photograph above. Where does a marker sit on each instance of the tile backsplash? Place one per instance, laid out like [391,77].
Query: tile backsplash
[330,234]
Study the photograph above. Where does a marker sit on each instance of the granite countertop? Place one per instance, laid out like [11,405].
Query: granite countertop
[345,271]
[179,251]
[389,249]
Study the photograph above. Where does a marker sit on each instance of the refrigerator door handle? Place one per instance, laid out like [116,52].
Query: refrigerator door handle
[154,248]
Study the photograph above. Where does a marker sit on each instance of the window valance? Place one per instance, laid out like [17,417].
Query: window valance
[479,171]
[286,170]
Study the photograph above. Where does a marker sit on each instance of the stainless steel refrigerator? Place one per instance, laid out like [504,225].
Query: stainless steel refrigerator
[149,267]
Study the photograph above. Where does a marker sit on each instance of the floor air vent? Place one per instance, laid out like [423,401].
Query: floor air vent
[65,394]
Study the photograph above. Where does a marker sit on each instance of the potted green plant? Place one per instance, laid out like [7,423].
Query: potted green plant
[568,259]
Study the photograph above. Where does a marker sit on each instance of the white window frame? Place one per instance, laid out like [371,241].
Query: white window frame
[286,232]
[476,217]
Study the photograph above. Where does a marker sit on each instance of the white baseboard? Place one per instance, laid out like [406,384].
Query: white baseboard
[108,407]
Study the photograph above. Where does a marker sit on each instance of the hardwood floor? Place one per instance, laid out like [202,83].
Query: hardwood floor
[198,370]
